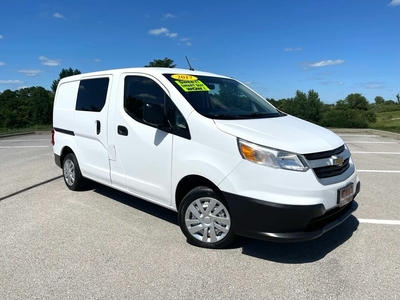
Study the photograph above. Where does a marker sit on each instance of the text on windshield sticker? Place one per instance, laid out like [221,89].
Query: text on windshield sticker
[192,86]
[184,77]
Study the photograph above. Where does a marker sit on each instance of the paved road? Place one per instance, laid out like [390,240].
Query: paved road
[103,244]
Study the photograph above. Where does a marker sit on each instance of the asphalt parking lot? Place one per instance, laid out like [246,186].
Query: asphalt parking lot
[103,244]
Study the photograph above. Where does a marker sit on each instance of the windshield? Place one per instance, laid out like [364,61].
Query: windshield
[222,98]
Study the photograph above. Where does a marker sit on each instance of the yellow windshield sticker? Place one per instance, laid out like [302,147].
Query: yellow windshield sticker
[192,86]
[184,77]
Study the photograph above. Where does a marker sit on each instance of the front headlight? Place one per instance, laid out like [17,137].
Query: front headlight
[271,157]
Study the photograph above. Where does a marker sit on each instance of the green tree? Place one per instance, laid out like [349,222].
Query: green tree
[357,101]
[64,73]
[338,118]
[308,106]
[41,105]
[6,99]
[352,112]
[273,102]
[162,63]
[25,107]
[379,100]
[19,113]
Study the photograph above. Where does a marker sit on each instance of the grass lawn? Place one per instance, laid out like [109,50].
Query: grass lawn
[388,121]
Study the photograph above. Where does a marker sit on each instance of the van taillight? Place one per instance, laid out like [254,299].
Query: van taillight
[52,137]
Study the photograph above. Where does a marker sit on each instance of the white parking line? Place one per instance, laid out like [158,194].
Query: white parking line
[363,142]
[365,152]
[378,171]
[359,135]
[384,222]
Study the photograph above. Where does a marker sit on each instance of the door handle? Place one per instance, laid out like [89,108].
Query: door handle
[98,127]
[122,130]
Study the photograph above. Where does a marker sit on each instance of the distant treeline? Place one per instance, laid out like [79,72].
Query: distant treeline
[353,112]
[26,107]
[29,107]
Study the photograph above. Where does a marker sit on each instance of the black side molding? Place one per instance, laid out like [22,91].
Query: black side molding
[69,132]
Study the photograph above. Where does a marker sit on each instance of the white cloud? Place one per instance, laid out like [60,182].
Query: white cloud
[1,36]
[49,62]
[58,16]
[158,31]
[96,60]
[371,85]
[375,87]
[328,62]
[394,2]
[2,63]
[29,72]
[332,82]
[10,82]
[186,42]
[168,16]
[292,49]
[163,31]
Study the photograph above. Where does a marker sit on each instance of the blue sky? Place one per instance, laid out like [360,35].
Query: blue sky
[334,47]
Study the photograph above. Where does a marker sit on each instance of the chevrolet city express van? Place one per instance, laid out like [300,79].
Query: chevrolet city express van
[206,146]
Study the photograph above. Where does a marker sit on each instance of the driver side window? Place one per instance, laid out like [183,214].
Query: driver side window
[142,90]
[139,91]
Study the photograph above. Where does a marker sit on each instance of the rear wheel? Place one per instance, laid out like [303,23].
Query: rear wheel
[72,173]
[205,220]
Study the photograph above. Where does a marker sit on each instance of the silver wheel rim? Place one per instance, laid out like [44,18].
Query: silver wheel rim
[69,172]
[207,220]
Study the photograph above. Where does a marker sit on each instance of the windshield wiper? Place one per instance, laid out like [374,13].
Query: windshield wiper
[260,114]
[241,116]
[220,116]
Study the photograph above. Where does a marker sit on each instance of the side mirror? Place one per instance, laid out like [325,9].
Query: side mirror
[153,114]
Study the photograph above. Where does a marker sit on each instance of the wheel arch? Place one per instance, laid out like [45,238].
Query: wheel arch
[64,152]
[190,182]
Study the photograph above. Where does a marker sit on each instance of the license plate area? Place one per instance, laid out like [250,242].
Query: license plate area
[345,195]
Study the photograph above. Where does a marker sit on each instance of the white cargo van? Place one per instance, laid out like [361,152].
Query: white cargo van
[206,146]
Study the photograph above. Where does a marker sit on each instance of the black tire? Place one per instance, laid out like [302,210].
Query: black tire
[205,220]
[72,173]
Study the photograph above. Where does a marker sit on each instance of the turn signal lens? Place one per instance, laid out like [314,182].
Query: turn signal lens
[257,155]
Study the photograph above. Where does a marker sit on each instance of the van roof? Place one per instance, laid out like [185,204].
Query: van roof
[146,70]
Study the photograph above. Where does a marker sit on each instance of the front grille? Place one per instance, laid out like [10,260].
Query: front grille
[321,162]
[325,154]
[330,171]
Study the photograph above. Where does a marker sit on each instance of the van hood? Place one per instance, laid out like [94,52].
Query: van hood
[284,133]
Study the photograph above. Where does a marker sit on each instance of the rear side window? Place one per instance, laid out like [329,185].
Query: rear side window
[92,94]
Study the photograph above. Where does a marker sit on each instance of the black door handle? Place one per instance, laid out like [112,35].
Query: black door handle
[98,127]
[122,130]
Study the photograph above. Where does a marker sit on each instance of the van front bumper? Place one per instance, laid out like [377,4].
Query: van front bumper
[285,223]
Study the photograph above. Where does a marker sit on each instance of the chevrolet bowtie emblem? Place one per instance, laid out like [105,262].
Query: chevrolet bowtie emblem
[336,160]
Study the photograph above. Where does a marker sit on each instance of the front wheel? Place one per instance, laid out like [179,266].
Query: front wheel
[205,220]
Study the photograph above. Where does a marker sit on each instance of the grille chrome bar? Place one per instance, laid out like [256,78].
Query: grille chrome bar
[323,167]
